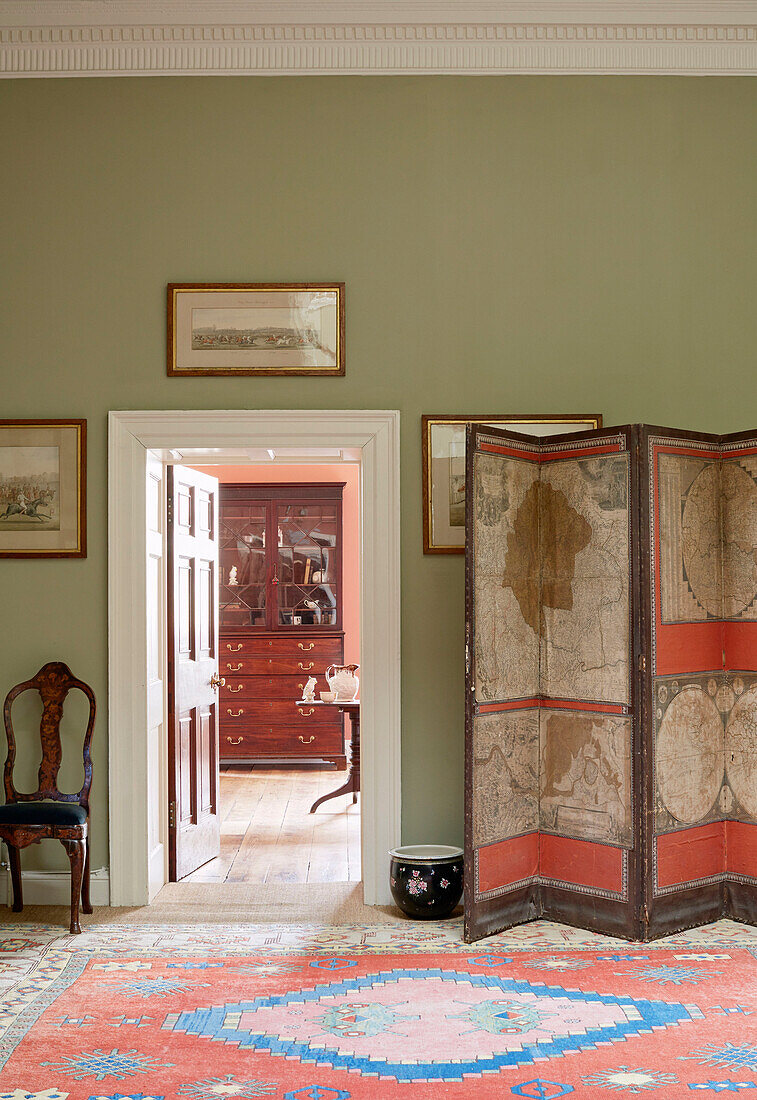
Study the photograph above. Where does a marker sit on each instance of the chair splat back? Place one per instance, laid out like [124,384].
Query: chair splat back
[53,682]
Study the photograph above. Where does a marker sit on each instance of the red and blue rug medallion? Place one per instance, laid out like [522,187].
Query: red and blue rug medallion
[198,1017]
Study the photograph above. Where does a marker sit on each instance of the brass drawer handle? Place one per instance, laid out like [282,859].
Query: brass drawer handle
[311,738]
[307,713]
[236,689]
[307,648]
[305,668]
[238,714]
[301,687]
[235,740]
[233,648]
[234,668]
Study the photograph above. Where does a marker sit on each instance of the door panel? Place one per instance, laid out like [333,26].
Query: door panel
[194,833]
[207,610]
[186,752]
[185,606]
[207,757]
[306,579]
[244,575]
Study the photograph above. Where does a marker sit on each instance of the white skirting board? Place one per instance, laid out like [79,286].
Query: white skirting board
[54,887]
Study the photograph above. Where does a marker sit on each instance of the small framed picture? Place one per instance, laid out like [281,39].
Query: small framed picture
[443,453]
[43,488]
[255,328]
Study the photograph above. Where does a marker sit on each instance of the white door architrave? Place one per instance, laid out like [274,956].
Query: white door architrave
[136,814]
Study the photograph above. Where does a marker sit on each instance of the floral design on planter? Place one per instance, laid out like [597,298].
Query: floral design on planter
[444,883]
[416,885]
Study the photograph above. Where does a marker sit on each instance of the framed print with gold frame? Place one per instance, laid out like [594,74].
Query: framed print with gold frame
[443,455]
[255,328]
[43,488]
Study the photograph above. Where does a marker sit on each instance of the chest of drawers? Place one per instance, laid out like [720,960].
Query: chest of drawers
[259,715]
[280,620]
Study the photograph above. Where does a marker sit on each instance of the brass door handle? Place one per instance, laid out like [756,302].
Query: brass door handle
[238,714]
[217,681]
[307,713]
[311,738]
[234,668]
[233,648]
[236,689]
[307,648]
[305,668]
[235,740]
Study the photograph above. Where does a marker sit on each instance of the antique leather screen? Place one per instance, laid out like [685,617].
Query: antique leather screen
[611,688]
[551,715]
[701,691]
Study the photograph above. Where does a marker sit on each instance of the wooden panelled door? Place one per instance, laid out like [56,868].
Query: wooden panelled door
[194,822]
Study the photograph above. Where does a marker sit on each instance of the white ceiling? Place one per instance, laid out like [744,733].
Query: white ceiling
[45,38]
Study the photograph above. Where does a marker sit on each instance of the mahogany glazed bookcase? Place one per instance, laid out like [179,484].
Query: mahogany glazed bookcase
[611,679]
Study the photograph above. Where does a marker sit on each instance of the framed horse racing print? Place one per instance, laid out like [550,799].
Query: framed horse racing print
[255,328]
[43,488]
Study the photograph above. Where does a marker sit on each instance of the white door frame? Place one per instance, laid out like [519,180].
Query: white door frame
[134,816]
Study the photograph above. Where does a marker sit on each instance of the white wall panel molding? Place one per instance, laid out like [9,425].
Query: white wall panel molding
[189,37]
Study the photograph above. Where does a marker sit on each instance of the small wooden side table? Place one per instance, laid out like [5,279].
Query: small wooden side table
[352,750]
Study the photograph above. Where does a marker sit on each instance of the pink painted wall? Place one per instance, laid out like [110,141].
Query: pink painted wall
[347,472]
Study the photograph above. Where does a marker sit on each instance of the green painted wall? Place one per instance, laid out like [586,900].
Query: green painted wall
[516,244]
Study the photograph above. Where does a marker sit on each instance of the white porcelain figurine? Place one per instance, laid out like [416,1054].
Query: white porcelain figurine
[233,575]
[308,692]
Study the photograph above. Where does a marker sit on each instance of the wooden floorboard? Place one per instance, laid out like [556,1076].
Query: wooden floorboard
[268,835]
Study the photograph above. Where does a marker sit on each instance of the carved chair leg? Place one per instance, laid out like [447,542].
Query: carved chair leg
[14,858]
[75,849]
[86,904]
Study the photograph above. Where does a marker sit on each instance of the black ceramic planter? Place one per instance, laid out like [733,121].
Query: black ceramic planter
[426,879]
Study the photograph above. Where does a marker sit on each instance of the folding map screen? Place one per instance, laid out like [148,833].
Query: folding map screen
[611,688]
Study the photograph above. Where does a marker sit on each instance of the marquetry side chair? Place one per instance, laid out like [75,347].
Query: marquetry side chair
[48,813]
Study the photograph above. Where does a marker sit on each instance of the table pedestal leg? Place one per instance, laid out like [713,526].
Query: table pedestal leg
[353,758]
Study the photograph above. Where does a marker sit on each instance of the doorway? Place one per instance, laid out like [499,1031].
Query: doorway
[274,560]
[140,443]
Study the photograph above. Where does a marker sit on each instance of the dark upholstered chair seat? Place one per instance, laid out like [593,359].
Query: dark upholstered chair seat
[43,813]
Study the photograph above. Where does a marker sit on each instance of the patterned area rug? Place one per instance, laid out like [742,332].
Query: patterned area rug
[387,1011]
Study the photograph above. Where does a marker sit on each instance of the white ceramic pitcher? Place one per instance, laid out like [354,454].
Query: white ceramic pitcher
[342,680]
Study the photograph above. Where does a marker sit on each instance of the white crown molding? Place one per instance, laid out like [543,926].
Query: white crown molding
[65,38]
